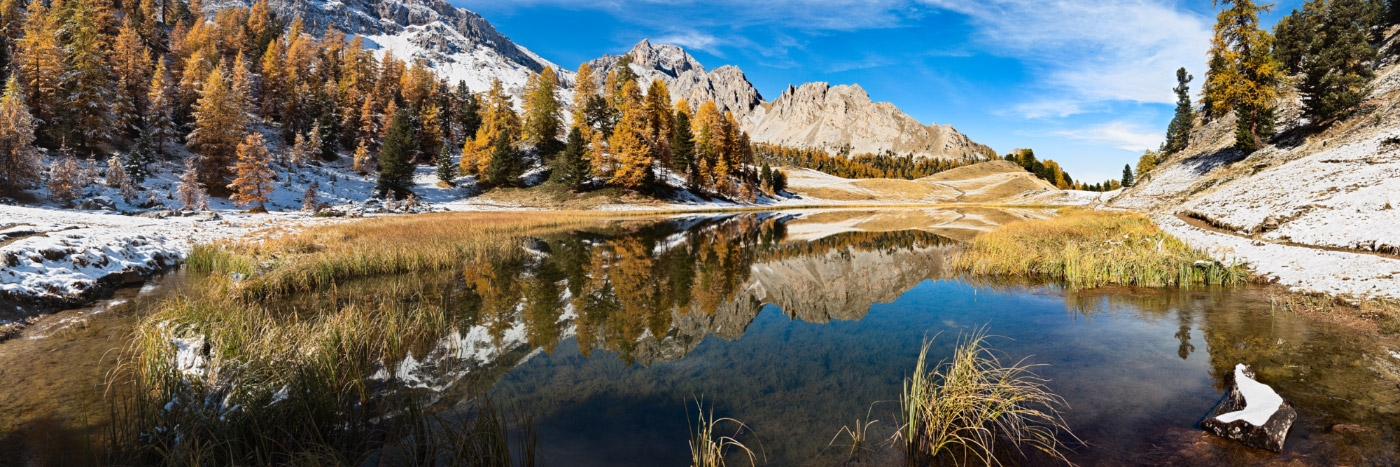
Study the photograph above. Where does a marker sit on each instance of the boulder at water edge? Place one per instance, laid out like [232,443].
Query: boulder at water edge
[1253,413]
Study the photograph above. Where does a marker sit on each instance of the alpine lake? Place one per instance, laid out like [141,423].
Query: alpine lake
[796,323]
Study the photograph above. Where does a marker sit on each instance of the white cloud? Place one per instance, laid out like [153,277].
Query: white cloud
[693,40]
[1092,51]
[1120,134]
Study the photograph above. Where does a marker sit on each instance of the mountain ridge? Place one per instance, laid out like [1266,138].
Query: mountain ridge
[461,45]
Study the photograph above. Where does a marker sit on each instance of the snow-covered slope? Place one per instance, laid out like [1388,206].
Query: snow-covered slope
[1331,188]
[458,44]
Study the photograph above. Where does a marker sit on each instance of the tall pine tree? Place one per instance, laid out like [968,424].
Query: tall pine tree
[395,158]
[1179,130]
[505,168]
[1337,61]
[255,177]
[570,166]
[682,143]
[219,126]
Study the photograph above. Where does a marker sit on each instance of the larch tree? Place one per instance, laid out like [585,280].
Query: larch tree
[1179,130]
[117,178]
[658,108]
[255,180]
[131,62]
[363,159]
[20,162]
[585,87]
[543,115]
[88,88]
[67,180]
[190,190]
[40,66]
[1243,75]
[395,158]
[1337,62]
[499,121]
[160,112]
[219,126]
[630,144]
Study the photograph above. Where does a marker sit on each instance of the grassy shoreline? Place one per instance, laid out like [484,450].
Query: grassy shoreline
[1086,249]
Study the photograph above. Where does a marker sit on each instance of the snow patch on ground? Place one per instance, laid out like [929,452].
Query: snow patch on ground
[1301,268]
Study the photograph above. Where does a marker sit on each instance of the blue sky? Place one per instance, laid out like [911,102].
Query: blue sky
[1086,83]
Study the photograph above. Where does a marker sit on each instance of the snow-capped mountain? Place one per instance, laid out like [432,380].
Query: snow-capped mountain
[458,44]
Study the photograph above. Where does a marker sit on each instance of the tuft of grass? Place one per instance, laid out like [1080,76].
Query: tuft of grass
[975,409]
[859,436]
[708,449]
[1094,248]
[1384,314]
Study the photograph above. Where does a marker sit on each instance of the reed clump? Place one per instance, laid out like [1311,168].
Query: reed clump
[977,409]
[1086,248]
[709,449]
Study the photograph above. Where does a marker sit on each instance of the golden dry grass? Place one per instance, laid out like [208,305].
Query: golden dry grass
[1094,248]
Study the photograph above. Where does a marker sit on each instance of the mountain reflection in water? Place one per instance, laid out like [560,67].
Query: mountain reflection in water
[603,335]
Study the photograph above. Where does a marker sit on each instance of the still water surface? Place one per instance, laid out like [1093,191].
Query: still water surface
[800,323]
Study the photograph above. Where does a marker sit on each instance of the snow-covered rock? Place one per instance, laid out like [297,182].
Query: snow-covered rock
[458,44]
[1252,413]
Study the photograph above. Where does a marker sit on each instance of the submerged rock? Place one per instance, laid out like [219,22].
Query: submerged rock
[1252,413]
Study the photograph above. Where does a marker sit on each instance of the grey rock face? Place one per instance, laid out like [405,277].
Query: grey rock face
[685,77]
[844,119]
[1269,436]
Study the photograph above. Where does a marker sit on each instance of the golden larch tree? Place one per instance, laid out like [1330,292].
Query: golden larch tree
[543,116]
[498,120]
[630,145]
[219,126]
[255,180]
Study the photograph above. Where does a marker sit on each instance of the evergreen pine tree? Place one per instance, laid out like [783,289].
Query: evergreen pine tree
[570,166]
[467,112]
[1127,175]
[20,161]
[1179,130]
[395,156]
[1337,63]
[138,161]
[446,166]
[505,168]
[682,143]
[255,179]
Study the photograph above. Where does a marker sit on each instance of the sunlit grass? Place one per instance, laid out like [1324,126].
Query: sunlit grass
[1385,314]
[859,437]
[977,409]
[709,448]
[1094,248]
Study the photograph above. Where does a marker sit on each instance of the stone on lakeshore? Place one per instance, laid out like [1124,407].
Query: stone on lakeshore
[1252,413]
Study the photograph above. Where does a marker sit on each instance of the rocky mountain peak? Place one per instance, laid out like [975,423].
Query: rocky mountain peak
[458,44]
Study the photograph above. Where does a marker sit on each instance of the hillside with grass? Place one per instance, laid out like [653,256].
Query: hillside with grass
[985,182]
